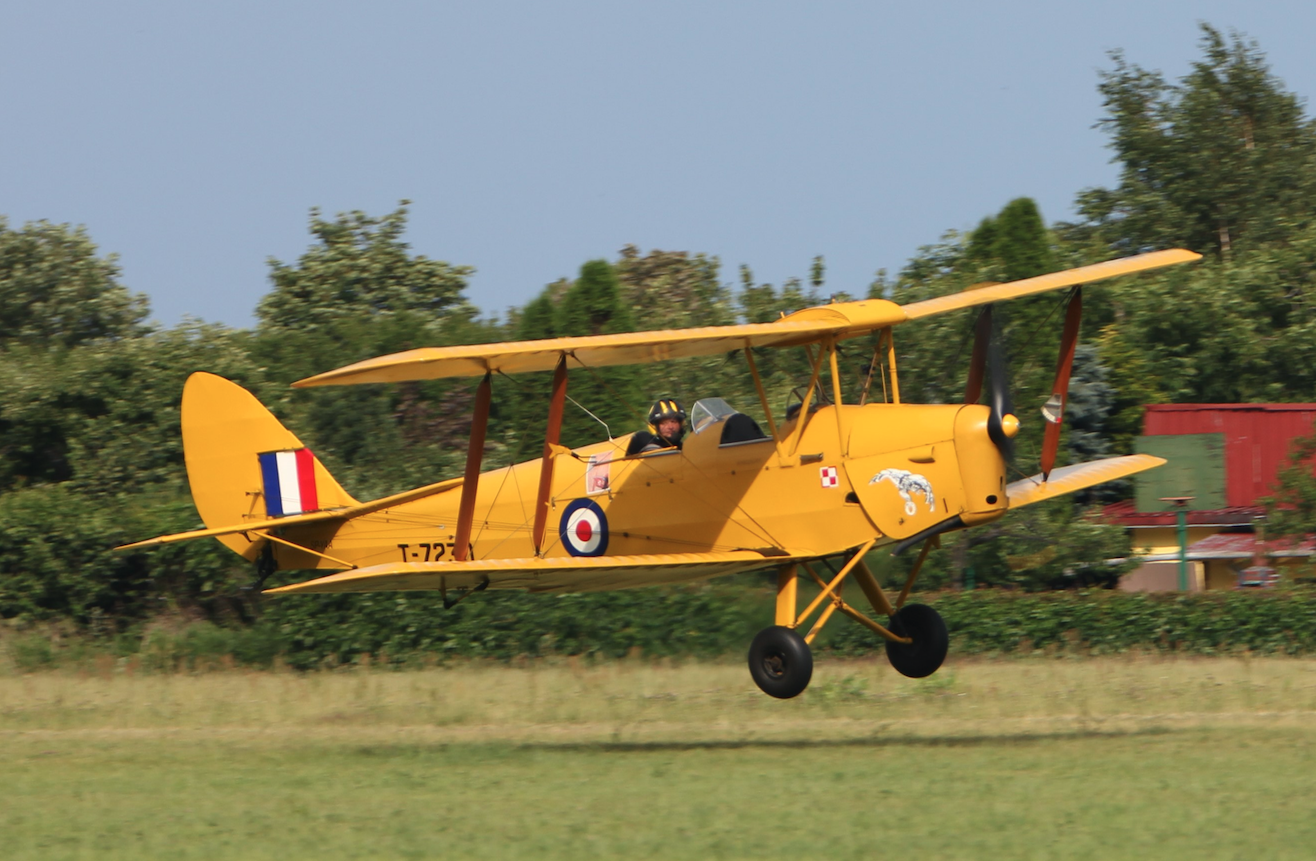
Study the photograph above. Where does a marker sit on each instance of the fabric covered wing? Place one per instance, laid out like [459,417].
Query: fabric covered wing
[1043,283]
[514,357]
[809,325]
[567,574]
[1071,478]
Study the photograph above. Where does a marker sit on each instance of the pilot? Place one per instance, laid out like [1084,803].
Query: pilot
[666,427]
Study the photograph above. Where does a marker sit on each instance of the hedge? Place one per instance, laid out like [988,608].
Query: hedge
[703,621]
[1107,622]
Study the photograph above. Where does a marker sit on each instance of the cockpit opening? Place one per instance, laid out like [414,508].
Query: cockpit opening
[715,415]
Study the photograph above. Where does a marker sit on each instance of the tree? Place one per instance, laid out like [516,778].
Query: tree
[1049,546]
[55,291]
[1222,161]
[593,304]
[537,320]
[1016,239]
[104,416]
[355,294]
[360,269]
[1291,512]
[673,289]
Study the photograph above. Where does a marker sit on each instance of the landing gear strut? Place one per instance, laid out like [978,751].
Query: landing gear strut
[916,642]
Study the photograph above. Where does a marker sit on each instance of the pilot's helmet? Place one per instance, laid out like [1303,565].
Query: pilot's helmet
[666,408]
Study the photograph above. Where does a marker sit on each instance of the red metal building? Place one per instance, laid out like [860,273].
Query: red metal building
[1227,458]
[1257,439]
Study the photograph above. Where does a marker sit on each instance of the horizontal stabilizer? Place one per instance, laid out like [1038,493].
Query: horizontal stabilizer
[560,574]
[252,526]
[1068,479]
[297,519]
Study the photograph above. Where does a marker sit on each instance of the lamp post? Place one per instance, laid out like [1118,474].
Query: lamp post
[1181,519]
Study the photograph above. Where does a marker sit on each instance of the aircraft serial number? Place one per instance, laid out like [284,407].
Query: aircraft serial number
[432,552]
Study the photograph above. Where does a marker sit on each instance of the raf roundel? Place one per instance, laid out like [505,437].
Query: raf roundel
[584,528]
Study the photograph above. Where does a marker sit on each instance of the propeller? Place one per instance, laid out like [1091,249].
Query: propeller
[989,357]
[989,361]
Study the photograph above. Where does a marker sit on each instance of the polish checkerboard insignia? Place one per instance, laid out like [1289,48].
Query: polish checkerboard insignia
[829,477]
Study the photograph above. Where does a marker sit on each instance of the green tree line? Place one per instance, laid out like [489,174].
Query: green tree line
[1222,161]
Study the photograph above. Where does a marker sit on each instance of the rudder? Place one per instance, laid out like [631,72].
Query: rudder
[238,454]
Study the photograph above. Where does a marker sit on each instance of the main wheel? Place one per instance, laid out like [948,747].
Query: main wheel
[925,627]
[780,662]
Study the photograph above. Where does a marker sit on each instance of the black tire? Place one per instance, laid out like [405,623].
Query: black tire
[780,662]
[925,626]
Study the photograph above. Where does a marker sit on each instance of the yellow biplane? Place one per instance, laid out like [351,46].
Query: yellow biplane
[828,481]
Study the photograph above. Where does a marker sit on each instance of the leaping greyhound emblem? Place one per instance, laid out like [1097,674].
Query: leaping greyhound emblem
[908,482]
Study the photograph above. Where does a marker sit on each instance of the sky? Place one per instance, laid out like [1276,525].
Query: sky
[192,140]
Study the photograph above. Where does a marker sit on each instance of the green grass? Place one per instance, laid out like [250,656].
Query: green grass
[1099,758]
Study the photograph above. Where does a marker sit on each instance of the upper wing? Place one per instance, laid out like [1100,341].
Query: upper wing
[514,357]
[840,319]
[1068,479]
[563,574]
[1043,283]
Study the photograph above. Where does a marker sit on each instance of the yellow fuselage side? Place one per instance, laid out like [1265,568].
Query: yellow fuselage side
[889,470]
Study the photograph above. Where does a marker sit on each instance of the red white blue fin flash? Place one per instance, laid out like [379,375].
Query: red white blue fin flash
[289,478]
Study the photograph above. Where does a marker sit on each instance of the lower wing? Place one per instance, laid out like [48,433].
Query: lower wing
[560,574]
[1071,478]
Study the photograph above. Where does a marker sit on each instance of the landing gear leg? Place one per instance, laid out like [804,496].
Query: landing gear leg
[779,658]
[780,662]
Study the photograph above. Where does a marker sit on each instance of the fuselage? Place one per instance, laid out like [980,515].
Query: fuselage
[885,471]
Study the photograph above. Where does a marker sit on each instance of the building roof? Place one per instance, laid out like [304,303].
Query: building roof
[1126,514]
[1194,408]
[1239,545]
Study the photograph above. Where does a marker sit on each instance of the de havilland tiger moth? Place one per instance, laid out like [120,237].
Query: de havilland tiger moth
[816,490]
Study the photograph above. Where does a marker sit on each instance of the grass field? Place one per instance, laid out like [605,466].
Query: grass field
[1029,758]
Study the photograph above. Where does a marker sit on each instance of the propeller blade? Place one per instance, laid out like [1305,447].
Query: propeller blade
[982,333]
[1054,411]
[1002,424]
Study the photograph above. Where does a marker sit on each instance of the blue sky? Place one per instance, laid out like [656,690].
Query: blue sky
[192,139]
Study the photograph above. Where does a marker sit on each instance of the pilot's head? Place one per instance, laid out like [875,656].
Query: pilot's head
[667,420]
